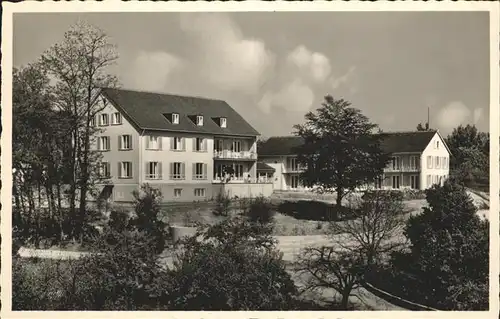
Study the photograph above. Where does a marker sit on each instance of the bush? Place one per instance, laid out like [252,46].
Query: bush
[260,210]
[234,267]
[222,204]
[314,210]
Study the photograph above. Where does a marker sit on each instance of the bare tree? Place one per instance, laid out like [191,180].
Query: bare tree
[332,268]
[376,228]
[79,66]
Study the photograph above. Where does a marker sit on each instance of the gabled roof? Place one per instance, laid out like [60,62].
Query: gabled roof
[406,142]
[263,167]
[145,110]
[279,145]
[392,142]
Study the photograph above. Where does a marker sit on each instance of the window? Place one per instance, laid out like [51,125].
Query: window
[219,145]
[175,118]
[223,122]
[199,120]
[177,144]
[125,142]
[153,143]
[437,144]
[105,170]
[238,171]
[429,161]
[236,147]
[438,162]
[104,120]
[177,192]
[414,182]
[429,180]
[394,163]
[103,143]
[177,170]
[125,169]
[445,162]
[395,181]
[117,118]
[293,164]
[199,144]
[93,121]
[199,192]
[414,163]
[153,170]
[199,171]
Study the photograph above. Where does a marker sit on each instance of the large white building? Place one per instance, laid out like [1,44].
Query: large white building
[419,160]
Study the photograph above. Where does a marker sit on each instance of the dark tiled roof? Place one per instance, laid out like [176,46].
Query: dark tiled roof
[406,142]
[263,167]
[279,145]
[392,142]
[146,109]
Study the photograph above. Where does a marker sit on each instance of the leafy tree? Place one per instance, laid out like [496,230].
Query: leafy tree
[259,210]
[79,66]
[447,241]
[424,127]
[234,266]
[470,153]
[376,224]
[340,152]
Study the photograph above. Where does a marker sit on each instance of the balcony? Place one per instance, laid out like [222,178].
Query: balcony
[228,154]
[402,169]
[293,169]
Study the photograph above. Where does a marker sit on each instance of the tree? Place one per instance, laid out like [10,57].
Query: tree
[421,127]
[447,241]
[340,151]
[470,153]
[375,227]
[333,268]
[230,266]
[79,66]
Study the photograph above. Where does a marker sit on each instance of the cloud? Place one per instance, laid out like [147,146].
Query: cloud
[341,80]
[227,59]
[293,96]
[455,113]
[313,65]
[152,70]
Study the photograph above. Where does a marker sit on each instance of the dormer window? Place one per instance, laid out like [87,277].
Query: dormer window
[199,120]
[175,118]
[223,122]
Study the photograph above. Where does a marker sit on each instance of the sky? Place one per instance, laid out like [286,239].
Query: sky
[274,67]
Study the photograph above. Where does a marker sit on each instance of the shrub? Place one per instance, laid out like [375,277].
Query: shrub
[260,210]
[222,204]
[234,267]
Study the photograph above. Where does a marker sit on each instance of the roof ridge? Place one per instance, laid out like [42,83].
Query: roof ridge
[163,93]
[409,132]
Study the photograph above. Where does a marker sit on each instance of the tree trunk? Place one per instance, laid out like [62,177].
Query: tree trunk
[344,303]
[340,196]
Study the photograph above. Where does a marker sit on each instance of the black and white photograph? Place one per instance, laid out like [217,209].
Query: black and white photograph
[245,160]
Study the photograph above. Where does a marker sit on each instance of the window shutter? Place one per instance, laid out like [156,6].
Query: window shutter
[146,170]
[194,170]
[183,144]
[172,144]
[160,173]
[194,143]
[205,169]
[99,143]
[171,170]
[120,142]
[160,142]
[131,142]
[183,170]
[204,144]
[119,169]
[148,141]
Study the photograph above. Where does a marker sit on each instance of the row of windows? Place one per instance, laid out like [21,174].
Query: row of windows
[152,143]
[435,179]
[395,162]
[437,162]
[154,170]
[103,119]
[174,118]
[198,192]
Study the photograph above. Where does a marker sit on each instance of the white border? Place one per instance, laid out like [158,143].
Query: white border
[118,6]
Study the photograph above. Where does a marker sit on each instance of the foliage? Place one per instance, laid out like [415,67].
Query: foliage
[470,153]
[447,240]
[148,212]
[222,204]
[260,210]
[424,127]
[314,210]
[233,267]
[330,267]
[375,228]
[340,152]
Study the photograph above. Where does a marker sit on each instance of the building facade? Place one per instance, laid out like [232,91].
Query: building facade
[190,148]
[418,160]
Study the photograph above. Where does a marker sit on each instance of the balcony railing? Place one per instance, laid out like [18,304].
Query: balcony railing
[243,180]
[227,154]
[296,169]
[402,169]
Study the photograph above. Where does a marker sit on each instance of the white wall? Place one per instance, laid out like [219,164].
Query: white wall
[278,163]
[433,151]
